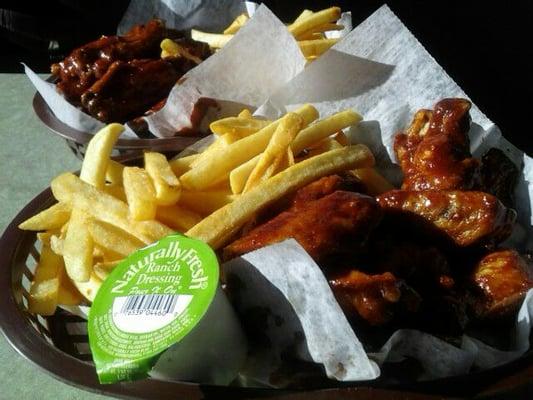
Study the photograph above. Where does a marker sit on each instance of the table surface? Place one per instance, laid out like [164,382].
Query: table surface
[30,156]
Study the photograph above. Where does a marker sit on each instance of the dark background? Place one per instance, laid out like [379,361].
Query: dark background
[485,46]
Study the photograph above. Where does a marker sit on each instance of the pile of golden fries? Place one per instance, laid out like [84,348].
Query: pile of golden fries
[111,210]
[308,29]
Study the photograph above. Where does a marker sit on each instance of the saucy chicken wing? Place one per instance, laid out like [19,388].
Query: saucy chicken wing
[336,222]
[434,153]
[502,279]
[498,176]
[467,218]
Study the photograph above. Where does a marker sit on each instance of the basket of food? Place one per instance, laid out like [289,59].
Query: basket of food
[135,77]
[288,252]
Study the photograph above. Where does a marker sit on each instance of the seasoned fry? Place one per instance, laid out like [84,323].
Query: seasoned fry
[113,173]
[316,47]
[324,128]
[315,19]
[205,203]
[286,131]
[113,239]
[166,184]
[90,288]
[181,165]
[236,24]
[374,182]
[238,125]
[221,163]
[218,227]
[67,293]
[214,40]
[104,207]
[52,218]
[177,217]
[78,247]
[140,193]
[96,159]
[103,269]
[115,191]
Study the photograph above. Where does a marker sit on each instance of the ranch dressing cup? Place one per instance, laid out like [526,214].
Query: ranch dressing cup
[162,313]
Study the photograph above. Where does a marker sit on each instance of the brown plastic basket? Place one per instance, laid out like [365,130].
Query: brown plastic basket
[77,140]
[59,345]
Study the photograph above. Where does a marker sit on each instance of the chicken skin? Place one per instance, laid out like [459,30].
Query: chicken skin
[337,222]
[467,218]
[502,279]
[434,153]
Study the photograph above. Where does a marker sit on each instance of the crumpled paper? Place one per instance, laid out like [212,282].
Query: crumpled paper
[383,72]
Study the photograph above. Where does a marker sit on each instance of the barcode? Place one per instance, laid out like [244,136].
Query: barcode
[149,304]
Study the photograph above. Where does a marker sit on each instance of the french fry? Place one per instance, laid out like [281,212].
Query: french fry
[341,138]
[315,19]
[245,113]
[43,296]
[94,167]
[112,238]
[205,203]
[316,47]
[113,173]
[52,218]
[78,247]
[169,48]
[217,228]
[44,237]
[56,244]
[67,294]
[90,288]
[140,193]
[372,179]
[238,125]
[103,269]
[214,40]
[104,207]
[319,30]
[177,217]
[166,184]
[217,146]
[220,164]
[303,15]
[323,146]
[236,24]
[115,191]
[239,175]
[181,165]
[286,131]
[322,129]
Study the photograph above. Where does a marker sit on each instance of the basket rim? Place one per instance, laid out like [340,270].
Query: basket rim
[47,117]
[23,337]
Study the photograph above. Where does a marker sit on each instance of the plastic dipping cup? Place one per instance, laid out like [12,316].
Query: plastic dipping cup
[162,313]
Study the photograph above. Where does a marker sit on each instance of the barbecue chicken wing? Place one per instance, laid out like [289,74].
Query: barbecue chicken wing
[337,222]
[374,298]
[467,218]
[502,279]
[120,61]
[434,153]
[498,176]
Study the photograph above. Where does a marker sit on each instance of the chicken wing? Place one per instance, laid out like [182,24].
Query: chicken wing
[467,218]
[373,298]
[434,153]
[128,88]
[337,222]
[502,279]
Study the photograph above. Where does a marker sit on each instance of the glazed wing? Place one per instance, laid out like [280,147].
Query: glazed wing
[467,218]
[322,227]
[88,63]
[434,152]
[502,279]
[374,298]
[129,88]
